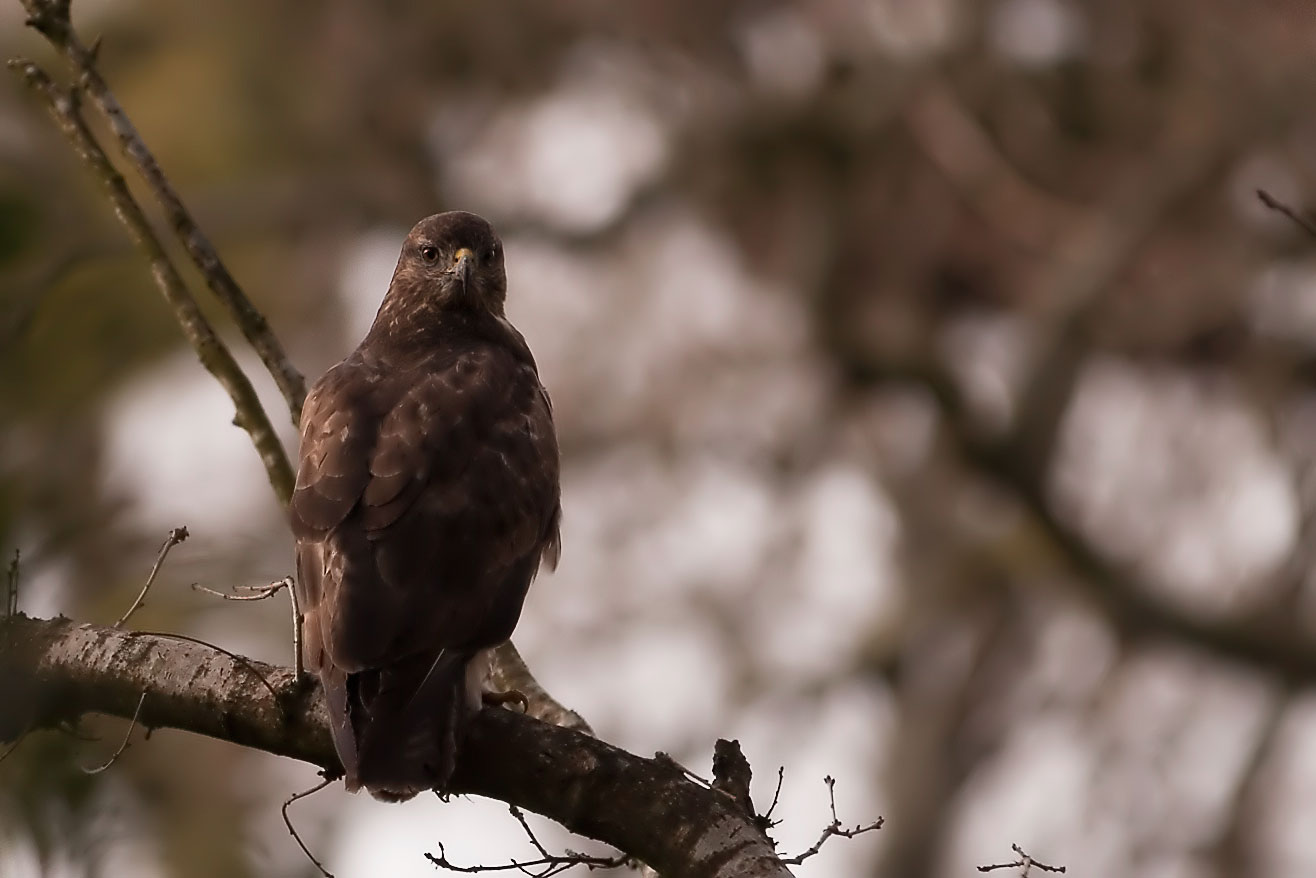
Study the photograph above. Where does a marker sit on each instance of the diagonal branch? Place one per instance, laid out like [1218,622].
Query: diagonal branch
[61,670]
[214,356]
[52,19]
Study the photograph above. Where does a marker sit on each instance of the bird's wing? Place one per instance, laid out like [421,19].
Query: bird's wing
[420,498]
[338,428]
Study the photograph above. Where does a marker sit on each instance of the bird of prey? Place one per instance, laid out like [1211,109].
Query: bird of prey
[427,496]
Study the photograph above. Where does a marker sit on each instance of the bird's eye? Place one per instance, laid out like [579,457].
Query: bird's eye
[429,254]
[492,253]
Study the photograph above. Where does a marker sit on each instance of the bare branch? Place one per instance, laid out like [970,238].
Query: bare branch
[287,821]
[1090,260]
[637,805]
[176,536]
[247,592]
[1019,463]
[132,724]
[51,18]
[766,818]
[545,866]
[833,829]
[214,356]
[530,833]
[260,593]
[1278,206]
[1024,864]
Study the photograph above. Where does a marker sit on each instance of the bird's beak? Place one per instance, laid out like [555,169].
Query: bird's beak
[463,265]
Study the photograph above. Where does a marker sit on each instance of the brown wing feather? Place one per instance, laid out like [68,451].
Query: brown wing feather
[418,492]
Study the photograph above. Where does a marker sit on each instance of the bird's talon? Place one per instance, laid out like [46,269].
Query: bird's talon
[497,699]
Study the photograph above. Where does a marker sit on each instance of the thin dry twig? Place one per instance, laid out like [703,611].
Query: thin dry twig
[9,751]
[1278,206]
[833,829]
[51,18]
[132,724]
[247,592]
[766,818]
[1024,864]
[11,586]
[260,593]
[213,354]
[545,866]
[287,821]
[176,536]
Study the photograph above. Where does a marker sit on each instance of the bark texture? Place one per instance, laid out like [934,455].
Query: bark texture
[54,671]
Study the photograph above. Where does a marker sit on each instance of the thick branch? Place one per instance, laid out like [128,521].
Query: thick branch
[214,356]
[51,18]
[55,671]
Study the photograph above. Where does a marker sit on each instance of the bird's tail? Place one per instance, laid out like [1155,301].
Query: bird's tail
[409,719]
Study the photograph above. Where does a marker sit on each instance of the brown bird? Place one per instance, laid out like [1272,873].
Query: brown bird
[427,495]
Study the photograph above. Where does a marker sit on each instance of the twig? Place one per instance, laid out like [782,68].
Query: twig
[1024,864]
[287,821]
[254,592]
[214,356]
[832,829]
[132,724]
[1278,206]
[298,668]
[176,536]
[11,587]
[14,746]
[547,864]
[260,593]
[530,833]
[766,818]
[51,18]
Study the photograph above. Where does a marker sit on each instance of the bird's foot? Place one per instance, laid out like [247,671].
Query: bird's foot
[496,699]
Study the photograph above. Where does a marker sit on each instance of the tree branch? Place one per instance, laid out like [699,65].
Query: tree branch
[214,356]
[51,18]
[53,671]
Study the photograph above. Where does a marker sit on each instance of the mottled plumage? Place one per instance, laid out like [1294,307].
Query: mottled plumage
[427,495]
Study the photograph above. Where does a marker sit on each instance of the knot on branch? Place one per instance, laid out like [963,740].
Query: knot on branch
[732,775]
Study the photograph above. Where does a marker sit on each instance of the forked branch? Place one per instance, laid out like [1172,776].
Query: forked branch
[52,19]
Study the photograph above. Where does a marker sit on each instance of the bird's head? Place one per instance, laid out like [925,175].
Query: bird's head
[453,260]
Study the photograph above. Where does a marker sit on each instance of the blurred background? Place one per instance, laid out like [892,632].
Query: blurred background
[937,402]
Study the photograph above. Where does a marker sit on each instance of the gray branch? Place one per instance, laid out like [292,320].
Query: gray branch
[52,19]
[54,671]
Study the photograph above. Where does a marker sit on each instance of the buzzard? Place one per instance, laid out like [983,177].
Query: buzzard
[427,496]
